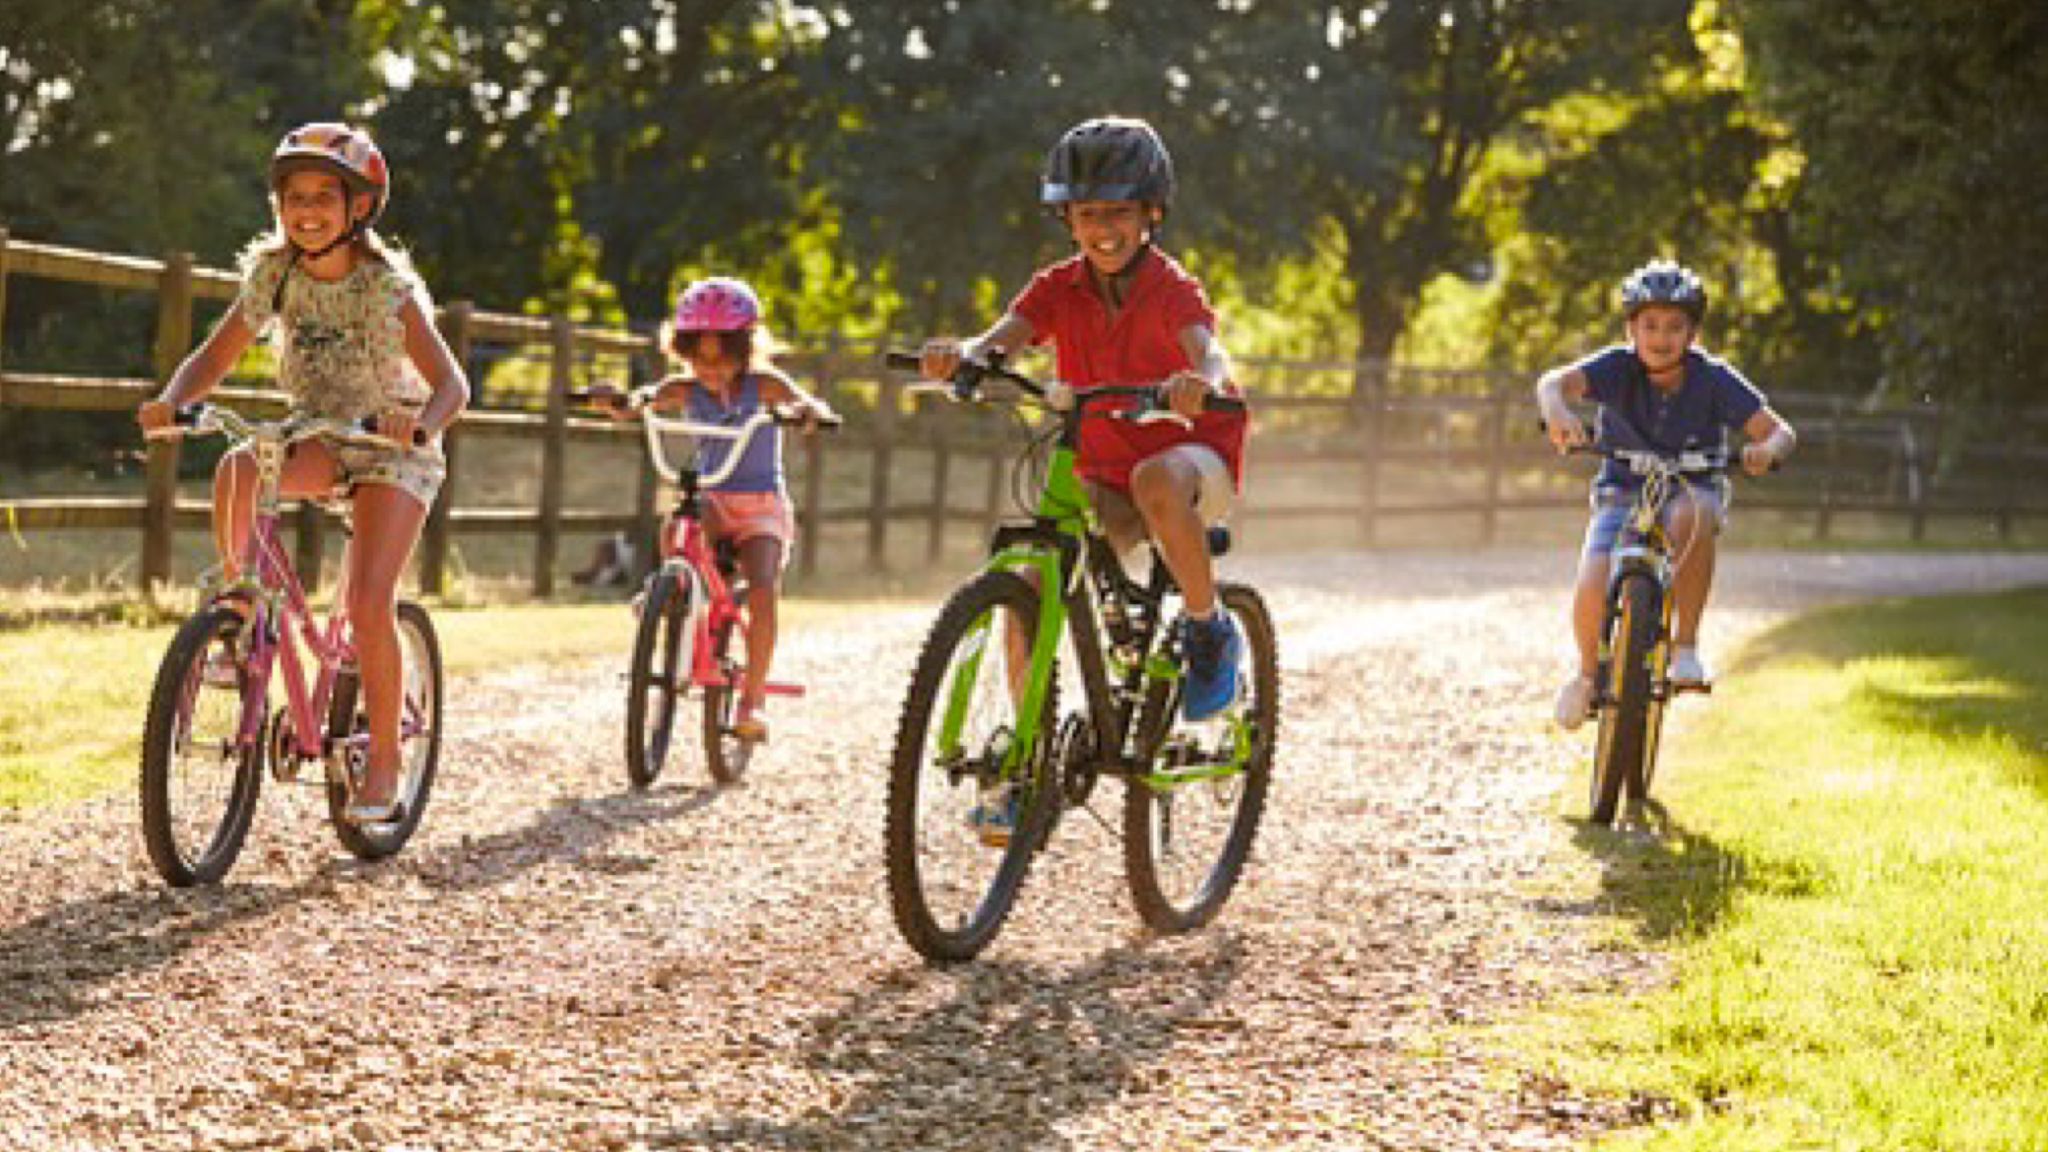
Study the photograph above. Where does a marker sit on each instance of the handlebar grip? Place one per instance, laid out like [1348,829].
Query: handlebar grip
[910,361]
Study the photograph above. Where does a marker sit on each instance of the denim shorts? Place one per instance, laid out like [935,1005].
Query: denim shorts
[1611,508]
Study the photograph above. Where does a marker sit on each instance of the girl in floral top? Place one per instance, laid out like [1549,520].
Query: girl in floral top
[355,336]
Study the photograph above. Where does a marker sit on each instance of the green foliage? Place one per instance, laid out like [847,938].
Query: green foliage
[1851,882]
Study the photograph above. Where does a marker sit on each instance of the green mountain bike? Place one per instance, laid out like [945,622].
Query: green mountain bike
[982,725]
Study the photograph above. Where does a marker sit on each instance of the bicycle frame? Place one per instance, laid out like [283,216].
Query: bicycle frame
[1645,547]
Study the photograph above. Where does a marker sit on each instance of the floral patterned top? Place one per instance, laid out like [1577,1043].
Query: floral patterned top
[340,344]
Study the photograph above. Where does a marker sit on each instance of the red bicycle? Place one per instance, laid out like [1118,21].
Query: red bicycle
[211,727]
[693,613]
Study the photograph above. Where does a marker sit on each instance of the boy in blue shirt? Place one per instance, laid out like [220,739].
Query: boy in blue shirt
[1657,392]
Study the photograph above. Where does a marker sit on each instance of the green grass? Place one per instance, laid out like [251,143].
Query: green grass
[1853,878]
[72,698]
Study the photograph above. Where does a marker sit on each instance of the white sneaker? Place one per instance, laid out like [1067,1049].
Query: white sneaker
[1687,668]
[1575,702]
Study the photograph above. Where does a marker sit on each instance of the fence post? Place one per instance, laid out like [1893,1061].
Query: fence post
[940,426]
[1919,480]
[1823,521]
[810,525]
[173,340]
[1368,393]
[878,478]
[455,328]
[1497,446]
[3,297]
[645,368]
[553,447]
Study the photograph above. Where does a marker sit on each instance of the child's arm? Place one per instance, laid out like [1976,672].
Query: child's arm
[1556,390]
[1771,440]
[436,363]
[1209,376]
[202,371]
[942,354]
[778,389]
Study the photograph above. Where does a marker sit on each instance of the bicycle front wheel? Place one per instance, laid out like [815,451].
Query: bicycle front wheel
[199,782]
[1191,813]
[656,681]
[1621,752]
[969,794]
[419,739]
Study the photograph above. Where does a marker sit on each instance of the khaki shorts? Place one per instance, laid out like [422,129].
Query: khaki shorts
[418,473]
[1215,495]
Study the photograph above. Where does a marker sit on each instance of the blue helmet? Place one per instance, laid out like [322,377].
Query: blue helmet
[1664,282]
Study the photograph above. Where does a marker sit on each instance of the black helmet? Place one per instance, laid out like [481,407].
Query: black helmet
[1108,158]
[1664,282]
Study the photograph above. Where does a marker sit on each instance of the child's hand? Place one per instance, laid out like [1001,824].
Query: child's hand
[1565,430]
[154,414]
[1758,459]
[939,357]
[608,400]
[1186,394]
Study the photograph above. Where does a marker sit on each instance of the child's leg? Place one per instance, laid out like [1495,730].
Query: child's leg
[1165,488]
[387,522]
[761,563]
[1589,605]
[308,471]
[1693,523]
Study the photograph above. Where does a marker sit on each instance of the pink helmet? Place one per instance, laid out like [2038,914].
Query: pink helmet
[720,304]
[338,148]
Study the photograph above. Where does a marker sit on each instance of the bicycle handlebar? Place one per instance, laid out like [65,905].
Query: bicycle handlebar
[1058,396]
[206,420]
[653,424]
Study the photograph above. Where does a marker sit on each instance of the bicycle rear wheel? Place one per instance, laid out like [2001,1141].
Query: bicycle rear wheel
[1621,751]
[725,754]
[1191,815]
[655,683]
[199,783]
[957,749]
[419,734]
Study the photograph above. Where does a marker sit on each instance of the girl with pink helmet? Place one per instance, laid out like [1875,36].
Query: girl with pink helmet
[727,376]
[354,334]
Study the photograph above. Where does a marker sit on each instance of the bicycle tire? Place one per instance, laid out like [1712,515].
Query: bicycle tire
[222,824]
[725,754]
[653,690]
[422,749]
[970,626]
[1166,906]
[1619,752]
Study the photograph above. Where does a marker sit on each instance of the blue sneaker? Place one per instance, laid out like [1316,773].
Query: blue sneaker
[994,815]
[1214,649]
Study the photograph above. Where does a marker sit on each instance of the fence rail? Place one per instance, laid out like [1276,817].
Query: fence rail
[1363,455]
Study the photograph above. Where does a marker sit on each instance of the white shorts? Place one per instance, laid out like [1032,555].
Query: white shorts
[1215,495]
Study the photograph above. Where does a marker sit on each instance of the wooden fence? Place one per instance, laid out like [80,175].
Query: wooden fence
[1350,446]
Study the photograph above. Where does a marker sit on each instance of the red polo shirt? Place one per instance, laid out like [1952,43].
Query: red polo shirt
[1141,346]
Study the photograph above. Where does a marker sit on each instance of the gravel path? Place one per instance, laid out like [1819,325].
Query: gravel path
[557,963]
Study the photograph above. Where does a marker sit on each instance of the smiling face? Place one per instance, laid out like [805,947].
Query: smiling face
[1661,333]
[712,356]
[313,205]
[1110,232]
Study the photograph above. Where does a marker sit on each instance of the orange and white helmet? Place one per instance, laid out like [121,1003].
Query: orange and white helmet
[347,152]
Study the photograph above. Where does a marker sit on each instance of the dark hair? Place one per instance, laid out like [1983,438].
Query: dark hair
[737,346]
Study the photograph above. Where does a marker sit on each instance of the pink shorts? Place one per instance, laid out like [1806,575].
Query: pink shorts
[741,516]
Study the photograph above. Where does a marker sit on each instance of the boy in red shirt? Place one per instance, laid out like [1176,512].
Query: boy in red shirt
[1120,313]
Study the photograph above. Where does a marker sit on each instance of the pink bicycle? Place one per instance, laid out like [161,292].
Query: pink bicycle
[211,728]
[693,611]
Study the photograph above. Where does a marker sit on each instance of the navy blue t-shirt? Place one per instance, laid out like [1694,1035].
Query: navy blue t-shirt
[1696,416]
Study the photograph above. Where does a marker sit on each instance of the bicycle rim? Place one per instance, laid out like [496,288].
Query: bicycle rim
[957,749]
[199,786]
[655,683]
[1191,816]
[1618,765]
